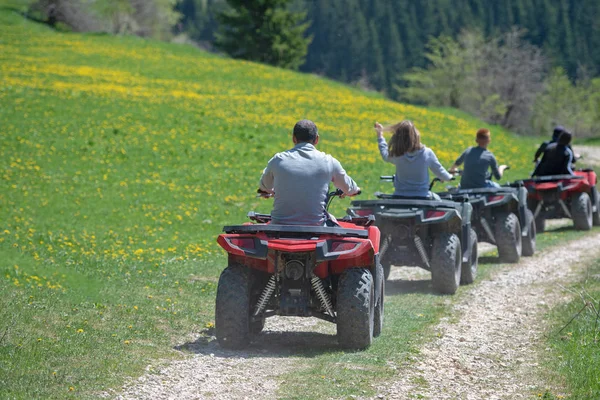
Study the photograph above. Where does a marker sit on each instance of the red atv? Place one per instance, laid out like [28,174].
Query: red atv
[565,196]
[328,272]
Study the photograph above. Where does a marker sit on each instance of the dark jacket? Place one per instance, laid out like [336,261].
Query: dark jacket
[556,160]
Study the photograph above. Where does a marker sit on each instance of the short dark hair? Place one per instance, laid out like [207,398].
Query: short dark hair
[305,131]
[558,129]
[483,133]
[565,138]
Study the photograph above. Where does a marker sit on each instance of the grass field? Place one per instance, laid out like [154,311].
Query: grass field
[574,339]
[121,159]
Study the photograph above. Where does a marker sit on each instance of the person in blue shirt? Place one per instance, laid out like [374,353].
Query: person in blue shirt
[299,179]
[412,159]
[478,161]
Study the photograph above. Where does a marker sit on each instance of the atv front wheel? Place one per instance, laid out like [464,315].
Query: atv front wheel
[232,311]
[379,306]
[469,268]
[256,327]
[446,260]
[581,210]
[529,240]
[355,308]
[508,237]
[540,225]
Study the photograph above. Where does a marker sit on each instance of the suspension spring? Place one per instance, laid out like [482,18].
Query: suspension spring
[322,295]
[421,249]
[265,296]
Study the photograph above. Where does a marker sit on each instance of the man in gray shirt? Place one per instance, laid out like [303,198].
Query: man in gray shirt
[477,161]
[299,179]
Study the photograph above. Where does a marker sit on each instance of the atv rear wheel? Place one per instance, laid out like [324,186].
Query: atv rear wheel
[508,237]
[469,268]
[232,311]
[581,210]
[596,215]
[379,306]
[446,260]
[355,308]
[529,240]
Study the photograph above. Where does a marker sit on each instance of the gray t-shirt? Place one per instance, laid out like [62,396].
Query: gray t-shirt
[477,161]
[412,170]
[299,178]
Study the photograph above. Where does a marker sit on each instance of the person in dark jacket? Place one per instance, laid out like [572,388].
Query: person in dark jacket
[557,158]
[555,134]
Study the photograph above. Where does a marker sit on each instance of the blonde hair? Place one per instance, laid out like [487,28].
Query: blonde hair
[406,138]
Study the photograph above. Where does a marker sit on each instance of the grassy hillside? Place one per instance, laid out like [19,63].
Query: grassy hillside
[121,159]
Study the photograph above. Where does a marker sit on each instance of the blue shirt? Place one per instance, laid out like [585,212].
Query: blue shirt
[299,178]
[477,163]
[412,170]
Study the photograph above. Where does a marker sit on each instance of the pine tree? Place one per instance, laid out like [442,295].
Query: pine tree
[264,31]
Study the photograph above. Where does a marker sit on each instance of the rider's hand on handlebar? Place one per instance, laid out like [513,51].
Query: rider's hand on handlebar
[351,195]
[263,194]
[503,167]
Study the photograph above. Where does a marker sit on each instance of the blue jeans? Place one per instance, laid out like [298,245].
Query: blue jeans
[491,184]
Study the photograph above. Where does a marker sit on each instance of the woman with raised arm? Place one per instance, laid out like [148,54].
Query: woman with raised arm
[412,159]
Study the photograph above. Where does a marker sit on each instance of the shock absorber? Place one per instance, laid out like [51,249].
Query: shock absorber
[265,296]
[321,294]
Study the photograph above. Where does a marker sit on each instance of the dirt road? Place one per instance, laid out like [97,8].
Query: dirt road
[487,351]
[591,154]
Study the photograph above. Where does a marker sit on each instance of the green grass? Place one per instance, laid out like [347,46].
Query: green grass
[574,339]
[120,161]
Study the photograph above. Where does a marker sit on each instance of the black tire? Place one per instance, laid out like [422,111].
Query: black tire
[379,303]
[581,210]
[469,269]
[540,222]
[384,256]
[232,311]
[529,241]
[446,263]
[256,327]
[508,237]
[540,225]
[596,215]
[387,269]
[355,309]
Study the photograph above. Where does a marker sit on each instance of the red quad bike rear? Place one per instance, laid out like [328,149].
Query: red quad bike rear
[331,273]
[565,196]
[501,217]
[431,234]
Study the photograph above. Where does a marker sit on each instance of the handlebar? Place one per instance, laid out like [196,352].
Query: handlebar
[337,193]
[434,180]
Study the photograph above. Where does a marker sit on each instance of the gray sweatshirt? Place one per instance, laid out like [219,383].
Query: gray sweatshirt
[412,170]
[299,178]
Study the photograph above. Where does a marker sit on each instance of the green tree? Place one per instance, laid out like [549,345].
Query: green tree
[264,31]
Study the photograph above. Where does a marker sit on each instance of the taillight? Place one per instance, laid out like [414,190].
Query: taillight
[434,214]
[493,199]
[365,212]
[242,243]
[342,246]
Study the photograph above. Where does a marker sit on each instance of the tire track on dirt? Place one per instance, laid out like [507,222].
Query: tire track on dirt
[490,352]
[487,354]
[215,373]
